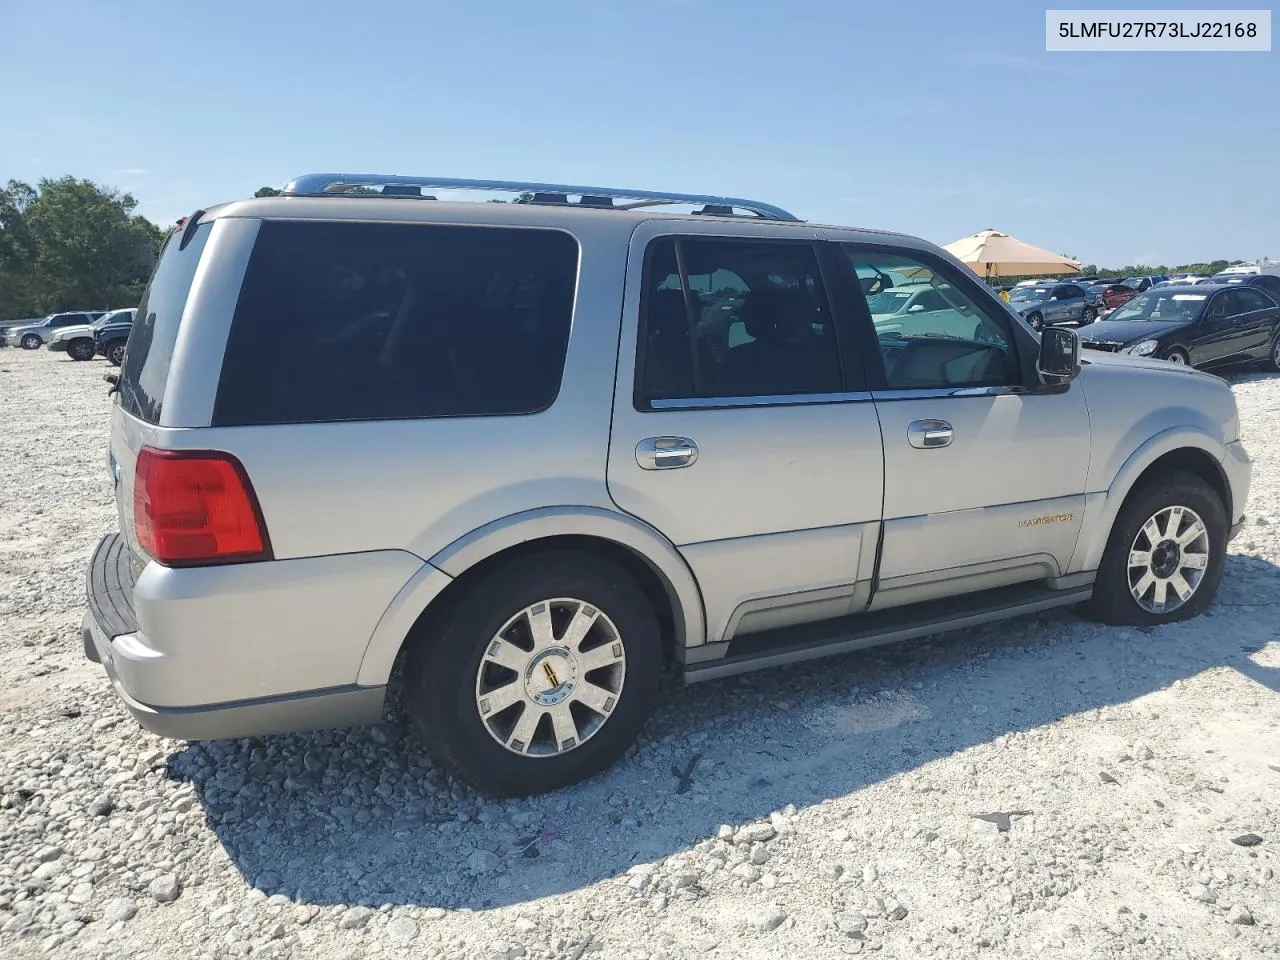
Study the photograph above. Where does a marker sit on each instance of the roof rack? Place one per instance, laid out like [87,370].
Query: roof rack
[319,184]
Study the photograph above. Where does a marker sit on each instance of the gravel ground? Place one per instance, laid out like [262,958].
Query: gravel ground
[1040,788]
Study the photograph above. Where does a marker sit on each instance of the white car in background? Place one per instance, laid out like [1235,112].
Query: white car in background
[77,341]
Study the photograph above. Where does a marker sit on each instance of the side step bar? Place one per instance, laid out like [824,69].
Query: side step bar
[783,645]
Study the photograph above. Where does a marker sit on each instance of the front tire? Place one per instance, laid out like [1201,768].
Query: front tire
[1274,360]
[115,353]
[1179,356]
[1036,321]
[31,342]
[80,349]
[1164,559]
[1090,315]
[540,674]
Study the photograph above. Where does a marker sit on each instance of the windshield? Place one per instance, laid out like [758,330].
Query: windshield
[112,316]
[1031,293]
[1162,305]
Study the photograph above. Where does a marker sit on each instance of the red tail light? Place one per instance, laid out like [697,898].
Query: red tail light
[196,507]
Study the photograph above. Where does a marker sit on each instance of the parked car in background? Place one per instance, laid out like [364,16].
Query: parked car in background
[1142,284]
[109,339]
[1203,325]
[77,342]
[34,336]
[1266,281]
[13,325]
[1049,303]
[293,527]
[1112,294]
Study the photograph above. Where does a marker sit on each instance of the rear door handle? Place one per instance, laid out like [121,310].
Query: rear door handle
[928,434]
[666,453]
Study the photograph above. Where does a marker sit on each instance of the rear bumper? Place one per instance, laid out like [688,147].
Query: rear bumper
[349,706]
[240,650]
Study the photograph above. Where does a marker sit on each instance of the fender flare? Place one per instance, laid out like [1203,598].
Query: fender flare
[1100,514]
[445,566]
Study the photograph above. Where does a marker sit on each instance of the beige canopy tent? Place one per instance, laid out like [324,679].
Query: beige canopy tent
[990,253]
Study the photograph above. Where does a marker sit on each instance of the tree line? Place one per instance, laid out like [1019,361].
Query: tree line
[68,244]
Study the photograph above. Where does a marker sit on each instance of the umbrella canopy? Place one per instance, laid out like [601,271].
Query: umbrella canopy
[990,253]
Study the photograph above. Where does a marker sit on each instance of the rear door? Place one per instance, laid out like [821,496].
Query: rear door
[1253,323]
[742,428]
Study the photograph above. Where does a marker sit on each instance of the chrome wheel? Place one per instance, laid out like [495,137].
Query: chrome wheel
[1168,559]
[1036,321]
[550,678]
[1275,354]
[1177,358]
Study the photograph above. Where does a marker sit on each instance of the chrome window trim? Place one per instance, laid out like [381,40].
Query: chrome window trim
[791,400]
[937,393]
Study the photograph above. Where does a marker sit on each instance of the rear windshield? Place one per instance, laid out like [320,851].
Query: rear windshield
[378,321]
[155,326]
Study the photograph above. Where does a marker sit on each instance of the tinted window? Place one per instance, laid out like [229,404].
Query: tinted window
[69,320]
[155,329]
[1269,283]
[365,321]
[748,319]
[1071,290]
[953,342]
[1248,300]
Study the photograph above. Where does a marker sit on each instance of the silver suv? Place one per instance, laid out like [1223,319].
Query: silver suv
[510,456]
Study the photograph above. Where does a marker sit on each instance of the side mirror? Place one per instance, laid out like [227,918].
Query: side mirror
[916,308]
[1058,362]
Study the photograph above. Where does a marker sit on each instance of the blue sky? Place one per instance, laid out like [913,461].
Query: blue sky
[938,119]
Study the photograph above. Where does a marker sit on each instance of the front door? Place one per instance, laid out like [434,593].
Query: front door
[1213,339]
[984,480]
[739,431]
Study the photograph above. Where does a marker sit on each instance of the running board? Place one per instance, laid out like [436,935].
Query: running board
[783,645]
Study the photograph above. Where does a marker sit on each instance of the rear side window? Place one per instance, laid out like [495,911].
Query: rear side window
[155,328]
[375,321]
[725,319]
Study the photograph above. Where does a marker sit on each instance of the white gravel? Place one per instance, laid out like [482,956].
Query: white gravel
[1041,788]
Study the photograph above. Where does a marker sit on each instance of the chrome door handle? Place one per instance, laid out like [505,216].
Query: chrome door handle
[928,434]
[666,453]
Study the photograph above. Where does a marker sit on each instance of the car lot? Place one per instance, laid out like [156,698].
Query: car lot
[1137,757]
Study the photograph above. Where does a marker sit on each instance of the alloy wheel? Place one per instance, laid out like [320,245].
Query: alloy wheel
[550,677]
[1168,559]
[1177,358]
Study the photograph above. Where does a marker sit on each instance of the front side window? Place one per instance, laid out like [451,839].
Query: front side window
[951,341]
[383,321]
[728,319]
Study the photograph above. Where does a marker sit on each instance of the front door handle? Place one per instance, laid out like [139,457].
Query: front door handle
[666,453]
[927,434]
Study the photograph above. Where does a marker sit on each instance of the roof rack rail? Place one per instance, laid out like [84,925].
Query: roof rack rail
[318,184]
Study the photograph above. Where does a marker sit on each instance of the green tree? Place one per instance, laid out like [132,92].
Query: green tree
[70,243]
[266,192]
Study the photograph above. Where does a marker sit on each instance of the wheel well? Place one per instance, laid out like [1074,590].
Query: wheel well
[659,592]
[1189,460]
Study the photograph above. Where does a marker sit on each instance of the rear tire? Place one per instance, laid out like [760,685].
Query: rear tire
[80,349]
[450,672]
[1114,600]
[1273,361]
